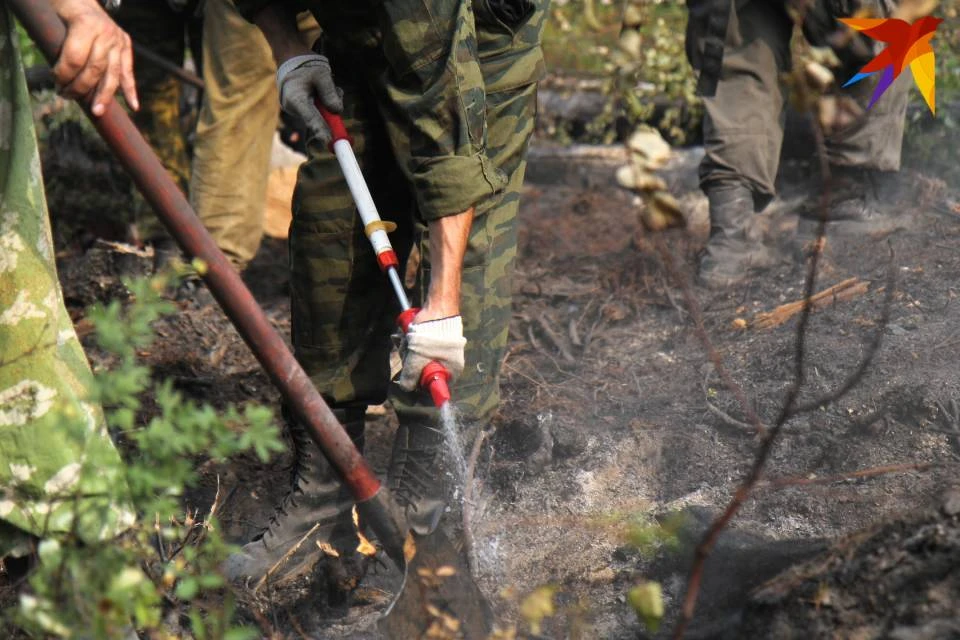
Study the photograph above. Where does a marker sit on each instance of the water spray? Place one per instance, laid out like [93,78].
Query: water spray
[435,377]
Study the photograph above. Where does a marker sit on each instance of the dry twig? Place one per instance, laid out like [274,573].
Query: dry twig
[717,411]
[696,313]
[286,556]
[849,288]
[554,338]
[872,347]
[800,481]
[712,534]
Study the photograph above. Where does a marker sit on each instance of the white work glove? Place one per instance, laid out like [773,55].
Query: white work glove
[440,340]
[301,80]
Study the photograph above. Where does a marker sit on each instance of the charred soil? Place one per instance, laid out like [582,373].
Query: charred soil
[612,418]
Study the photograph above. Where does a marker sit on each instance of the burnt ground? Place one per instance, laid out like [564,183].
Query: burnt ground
[605,424]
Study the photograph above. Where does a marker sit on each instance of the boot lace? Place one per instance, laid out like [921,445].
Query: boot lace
[301,443]
[417,465]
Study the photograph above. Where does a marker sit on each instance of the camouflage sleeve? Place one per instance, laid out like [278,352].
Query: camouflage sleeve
[435,102]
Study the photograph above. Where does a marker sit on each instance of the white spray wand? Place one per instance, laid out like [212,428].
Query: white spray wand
[435,377]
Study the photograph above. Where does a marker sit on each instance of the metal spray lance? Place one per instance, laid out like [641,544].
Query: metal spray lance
[435,377]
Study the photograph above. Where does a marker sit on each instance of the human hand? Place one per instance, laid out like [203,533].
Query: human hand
[441,340]
[302,81]
[96,57]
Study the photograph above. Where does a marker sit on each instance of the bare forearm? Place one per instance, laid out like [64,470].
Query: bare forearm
[448,245]
[278,23]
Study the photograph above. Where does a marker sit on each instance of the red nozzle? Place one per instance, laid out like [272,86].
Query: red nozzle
[387,259]
[405,319]
[337,129]
[435,379]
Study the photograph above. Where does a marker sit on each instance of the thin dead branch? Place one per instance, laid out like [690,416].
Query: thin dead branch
[286,556]
[709,540]
[872,347]
[693,305]
[800,481]
[554,337]
[717,411]
[846,290]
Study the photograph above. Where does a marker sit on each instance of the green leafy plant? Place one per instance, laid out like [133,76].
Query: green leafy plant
[637,52]
[164,568]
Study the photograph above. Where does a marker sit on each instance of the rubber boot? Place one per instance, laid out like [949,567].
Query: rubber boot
[736,247]
[316,497]
[861,201]
[416,475]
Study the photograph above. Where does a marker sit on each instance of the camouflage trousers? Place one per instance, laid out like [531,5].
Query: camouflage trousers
[58,466]
[156,26]
[743,123]
[343,308]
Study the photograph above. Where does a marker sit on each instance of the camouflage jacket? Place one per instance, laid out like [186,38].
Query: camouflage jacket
[422,60]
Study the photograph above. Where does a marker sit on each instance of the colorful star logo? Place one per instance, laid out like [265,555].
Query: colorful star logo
[907,44]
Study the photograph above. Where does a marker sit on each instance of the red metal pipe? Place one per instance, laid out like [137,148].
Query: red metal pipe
[48,31]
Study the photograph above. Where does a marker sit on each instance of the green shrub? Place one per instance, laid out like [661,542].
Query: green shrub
[165,568]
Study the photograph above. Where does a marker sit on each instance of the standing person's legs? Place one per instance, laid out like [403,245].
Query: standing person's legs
[743,133]
[231,161]
[157,27]
[864,155]
[160,29]
[511,62]
[342,319]
[874,141]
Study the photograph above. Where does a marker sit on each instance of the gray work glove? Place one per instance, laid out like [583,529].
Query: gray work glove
[301,80]
[440,340]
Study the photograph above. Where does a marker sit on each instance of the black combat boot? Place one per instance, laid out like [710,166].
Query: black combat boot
[416,473]
[737,245]
[861,201]
[316,497]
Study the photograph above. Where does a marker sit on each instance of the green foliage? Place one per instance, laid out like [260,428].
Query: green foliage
[930,142]
[573,44]
[649,535]
[538,606]
[647,601]
[29,52]
[650,71]
[166,565]
[638,50]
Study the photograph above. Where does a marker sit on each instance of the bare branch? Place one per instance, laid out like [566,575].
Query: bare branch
[872,347]
[717,411]
[696,313]
[799,481]
[710,538]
